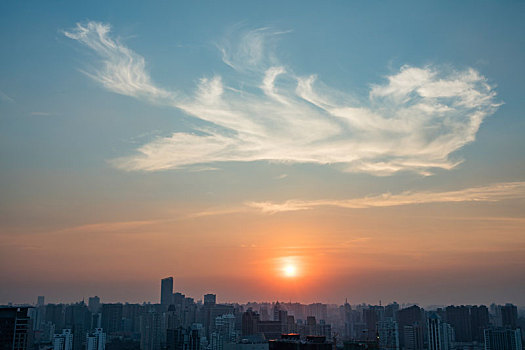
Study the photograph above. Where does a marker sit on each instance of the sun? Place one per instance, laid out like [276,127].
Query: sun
[290,271]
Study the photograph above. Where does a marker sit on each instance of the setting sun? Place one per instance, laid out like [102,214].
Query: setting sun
[290,271]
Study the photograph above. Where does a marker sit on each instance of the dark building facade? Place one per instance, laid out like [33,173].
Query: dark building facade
[15,328]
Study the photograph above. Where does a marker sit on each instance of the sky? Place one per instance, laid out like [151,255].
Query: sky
[266,150]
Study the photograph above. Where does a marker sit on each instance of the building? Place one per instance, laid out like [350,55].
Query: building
[166,291]
[63,341]
[293,341]
[502,339]
[438,333]
[409,321]
[509,316]
[111,317]
[210,299]
[96,340]
[388,334]
[152,334]
[40,300]
[94,304]
[15,328]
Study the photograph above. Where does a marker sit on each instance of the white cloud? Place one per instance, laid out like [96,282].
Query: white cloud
[413,122]
[491,193]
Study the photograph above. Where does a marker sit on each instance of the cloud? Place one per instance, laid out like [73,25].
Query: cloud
[6,98]
[413,121]
[492,193]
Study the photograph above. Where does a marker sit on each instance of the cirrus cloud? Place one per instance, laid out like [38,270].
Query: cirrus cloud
[413,121]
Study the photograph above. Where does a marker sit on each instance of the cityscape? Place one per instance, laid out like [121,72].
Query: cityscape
[179,322]
[262,175]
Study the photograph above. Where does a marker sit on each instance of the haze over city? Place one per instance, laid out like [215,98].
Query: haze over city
[263,151]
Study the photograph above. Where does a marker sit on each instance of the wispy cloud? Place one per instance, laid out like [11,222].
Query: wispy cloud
[6,98]
[412,122]
[491,193]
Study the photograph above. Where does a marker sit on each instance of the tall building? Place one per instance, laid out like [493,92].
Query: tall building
[111,317]
[438,333]
[412,317]
[459,318]
[166,291]
[509,316]
[15,328]
[94,304]
[388,334]
[96,340]
[63,341]
[40,300]
[55,315]
[152,331]
[210,299]
[502,339]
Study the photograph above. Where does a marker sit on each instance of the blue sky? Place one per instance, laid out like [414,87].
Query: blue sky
[133,112]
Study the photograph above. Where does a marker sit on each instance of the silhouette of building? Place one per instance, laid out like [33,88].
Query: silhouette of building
[15,328]
[509,316]
[166,291]
[210,299]
[439,333]
[502,339]
[94,304]
[388,334]
[111,317]
[410,324]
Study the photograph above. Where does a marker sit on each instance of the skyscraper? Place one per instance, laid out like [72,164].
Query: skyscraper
[14,328]
[502,339]
[96,340]
[63,341]
[166,291]
[438,333]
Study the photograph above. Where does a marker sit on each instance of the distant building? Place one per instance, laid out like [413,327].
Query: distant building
[96,340]
[152,335]
[94,304]
[438,333]
[210,299]
[15,328]
[111,317]
[388,334]
[166,291]
[293,341]
[40,300]
[509,316]
[63,341]
[502,339]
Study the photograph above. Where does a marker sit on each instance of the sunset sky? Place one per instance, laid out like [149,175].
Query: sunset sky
[309,151]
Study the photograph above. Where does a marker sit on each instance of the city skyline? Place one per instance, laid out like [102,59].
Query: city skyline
[263,151]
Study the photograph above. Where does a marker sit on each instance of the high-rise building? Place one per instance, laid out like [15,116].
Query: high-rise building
[111,317]
[40,300]
[152,331]
[388,334]
[438,333]
[63,341]
[15,328]
[413,318]
[94,304]
[509,316]
[459,318]
[166,291]
[55,315]
[210,299]
[96,340]
[502,339]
